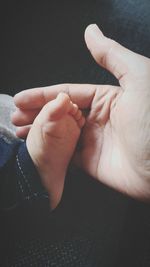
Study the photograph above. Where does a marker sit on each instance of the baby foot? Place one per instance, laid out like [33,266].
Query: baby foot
[52,140]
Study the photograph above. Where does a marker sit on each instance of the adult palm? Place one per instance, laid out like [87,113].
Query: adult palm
[116,139]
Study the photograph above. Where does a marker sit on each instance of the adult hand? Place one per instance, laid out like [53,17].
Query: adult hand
[115,144]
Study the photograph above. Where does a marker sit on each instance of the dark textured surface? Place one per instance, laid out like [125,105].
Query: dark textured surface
[42,44]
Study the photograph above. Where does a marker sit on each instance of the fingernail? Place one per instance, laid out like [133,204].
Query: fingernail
[95,29]
[94,26]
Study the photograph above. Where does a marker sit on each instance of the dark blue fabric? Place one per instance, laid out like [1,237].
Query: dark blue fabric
[29,182]
[19,179]
[7,149]
[30,235]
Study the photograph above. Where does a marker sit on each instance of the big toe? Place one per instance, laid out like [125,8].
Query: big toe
[58,107]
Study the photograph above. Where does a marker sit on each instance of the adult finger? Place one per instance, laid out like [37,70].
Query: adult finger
[81,94]
[89,95]
[121,62]
[23,131]
[24,117]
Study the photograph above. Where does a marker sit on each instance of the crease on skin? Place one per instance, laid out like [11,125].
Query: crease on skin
[104,60]
[105,112]
[44,96]
[67,91]
[102,105]
[94,94]
[97,97]
[100,152]
[122,78]
[115,99]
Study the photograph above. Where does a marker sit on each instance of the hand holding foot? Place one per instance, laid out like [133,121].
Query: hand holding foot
[116,140]
[52,140]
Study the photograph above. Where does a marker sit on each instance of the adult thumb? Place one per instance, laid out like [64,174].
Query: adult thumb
[120,61]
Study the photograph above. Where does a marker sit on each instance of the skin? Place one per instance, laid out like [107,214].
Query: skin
[51,142]
[115,141]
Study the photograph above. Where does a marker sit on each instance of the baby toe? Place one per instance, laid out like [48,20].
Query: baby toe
[74,109]
[81,122]
[78,115]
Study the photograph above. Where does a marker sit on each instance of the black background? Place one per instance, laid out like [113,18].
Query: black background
[42,43]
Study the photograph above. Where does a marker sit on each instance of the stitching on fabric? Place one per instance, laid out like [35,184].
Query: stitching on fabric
[27,197]
[25,179]
[33,194]
[20,185]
